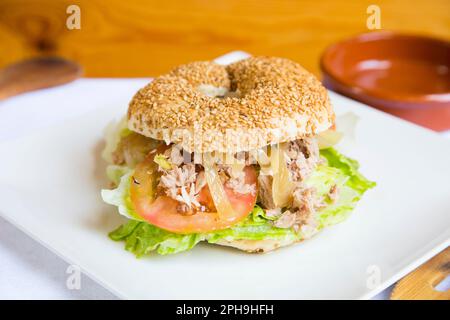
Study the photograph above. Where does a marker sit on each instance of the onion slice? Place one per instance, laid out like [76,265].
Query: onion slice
[345,129]
[220,199]
[346,124]
[282,185]
[328,138]
[264,161]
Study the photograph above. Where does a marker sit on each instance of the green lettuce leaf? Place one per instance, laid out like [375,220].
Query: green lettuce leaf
[350,192]
[113,133]
[256,227]
[142,238]
[350,168]
[120,197]
[115,172]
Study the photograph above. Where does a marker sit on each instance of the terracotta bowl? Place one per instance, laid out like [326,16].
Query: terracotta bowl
[407,76]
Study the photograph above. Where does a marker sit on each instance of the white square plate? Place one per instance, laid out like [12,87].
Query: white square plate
[50,185]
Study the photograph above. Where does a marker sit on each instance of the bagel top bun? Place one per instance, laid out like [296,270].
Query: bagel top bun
[206,107]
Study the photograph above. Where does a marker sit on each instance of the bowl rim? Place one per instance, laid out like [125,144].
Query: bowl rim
[328,71]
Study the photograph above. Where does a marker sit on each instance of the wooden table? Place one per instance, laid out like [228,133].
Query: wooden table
[145,38]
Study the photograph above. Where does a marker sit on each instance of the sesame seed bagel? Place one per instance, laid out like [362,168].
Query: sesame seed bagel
[207,107]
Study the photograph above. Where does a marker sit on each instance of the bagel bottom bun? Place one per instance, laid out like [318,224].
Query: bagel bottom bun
[257,246]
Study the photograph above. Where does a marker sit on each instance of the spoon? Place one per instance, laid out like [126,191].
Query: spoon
[36,73]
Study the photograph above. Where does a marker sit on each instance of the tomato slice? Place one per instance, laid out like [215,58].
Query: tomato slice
[162,211]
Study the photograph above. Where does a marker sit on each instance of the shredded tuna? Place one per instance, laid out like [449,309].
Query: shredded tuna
[175,155]
[239,186]
[302,156]
[300,220]
[302,215]
[185,181]
[305,198]
[179,183]
[265,191]
[286,220]
[236,180]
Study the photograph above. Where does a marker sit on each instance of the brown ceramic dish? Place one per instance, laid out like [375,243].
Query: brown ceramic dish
[405,75]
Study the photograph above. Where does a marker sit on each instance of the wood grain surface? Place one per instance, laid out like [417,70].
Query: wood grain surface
[145,38]
[421,283]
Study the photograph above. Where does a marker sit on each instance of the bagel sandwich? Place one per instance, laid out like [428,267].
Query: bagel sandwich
[240,155]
